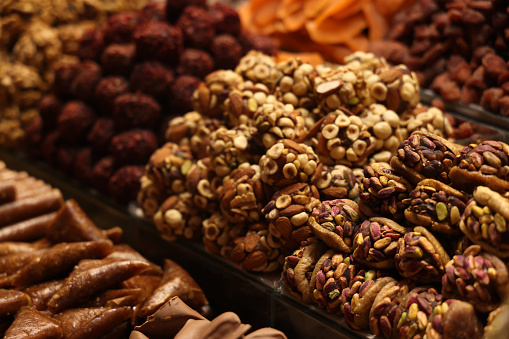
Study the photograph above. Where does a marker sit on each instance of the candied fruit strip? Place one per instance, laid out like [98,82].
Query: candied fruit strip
[27,230]
[91,277]
[30,323]
[72,225]
[11,301]
[58,260]
[7,192]
[175,282]
[27,208]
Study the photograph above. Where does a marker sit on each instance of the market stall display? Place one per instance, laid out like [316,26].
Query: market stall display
[36,38]
[105,114]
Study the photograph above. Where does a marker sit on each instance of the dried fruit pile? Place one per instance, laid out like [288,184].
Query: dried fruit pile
[103,118]
[61,276]
[458,49]
[334,28]
[37,36]
[265,169]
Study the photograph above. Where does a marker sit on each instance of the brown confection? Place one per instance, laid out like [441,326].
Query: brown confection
[226,50]
[107,90]
[90,277]
[152,78]
[101,133]
[262,43]
[197,27]
[174,8]
[133,147]
[195,62]
[7,192]
[181,93]
[132,110]
[177,320]
[11,301]
[49,147]
[34,131]
[66,157]
[102,172]
[73,225]
[58,260]
[50,108]
[87,76]
[27,230]
[124,185]
[42,293]
[83,165]
[120,27]
[22,209]
[64,77]
[38,324]
[118,59]
[160,41]
[226,19]
[176,282]
[169,319]
[92,322]
[154,10]
[91,44]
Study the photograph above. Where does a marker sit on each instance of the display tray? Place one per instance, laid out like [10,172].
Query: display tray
[258,299]
[494,126]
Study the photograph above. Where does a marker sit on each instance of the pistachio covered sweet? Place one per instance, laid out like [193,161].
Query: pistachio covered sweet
[420,256]
[486,163]
[485,221]
[335,222]
[477,277]
[425,155]
[376,241]
[436,206]
[383,192]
